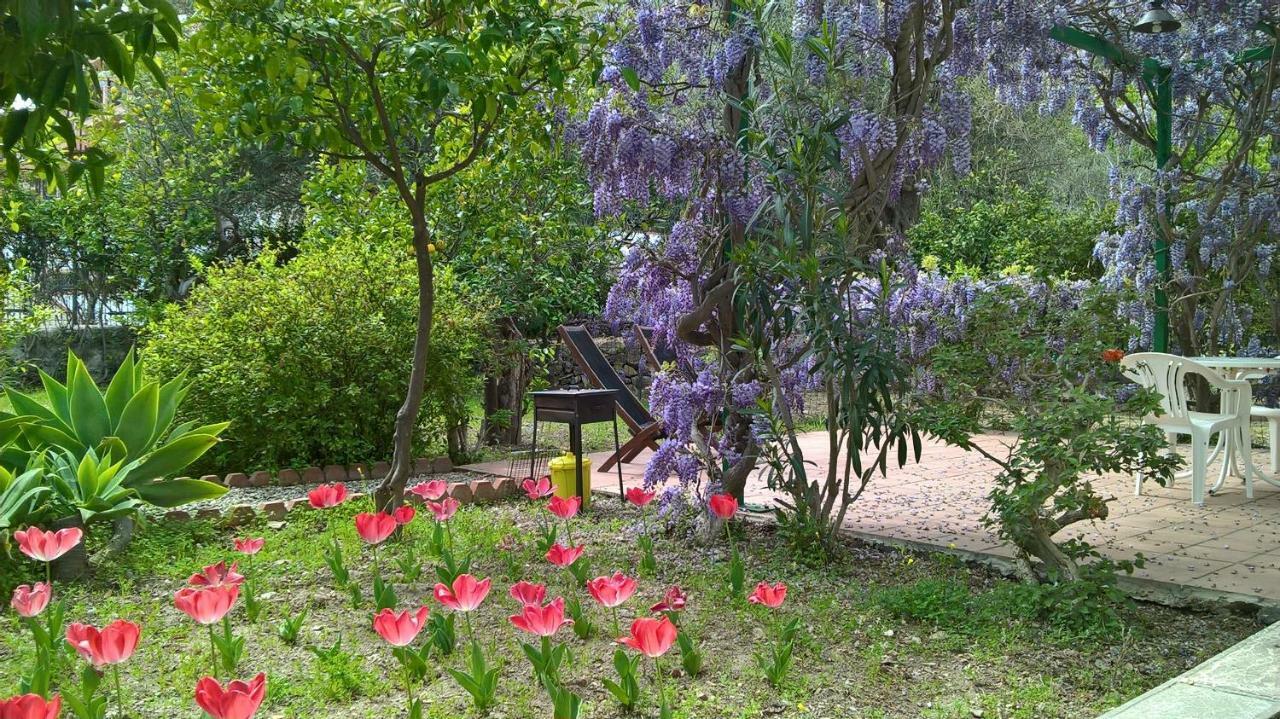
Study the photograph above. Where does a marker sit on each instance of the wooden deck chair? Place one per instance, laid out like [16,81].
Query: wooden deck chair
[652,357]
[645,429]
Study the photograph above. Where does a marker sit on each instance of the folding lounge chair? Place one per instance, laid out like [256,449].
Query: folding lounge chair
[645,429]
[655,358]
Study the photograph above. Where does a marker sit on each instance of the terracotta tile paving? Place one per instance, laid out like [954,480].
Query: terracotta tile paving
[1231,545]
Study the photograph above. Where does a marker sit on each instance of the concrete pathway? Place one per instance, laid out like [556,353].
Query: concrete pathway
[1227,549]
[1241,683]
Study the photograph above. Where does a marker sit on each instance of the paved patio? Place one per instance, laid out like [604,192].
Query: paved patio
[1230,548]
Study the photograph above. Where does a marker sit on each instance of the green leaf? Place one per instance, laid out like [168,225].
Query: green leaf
[633,80]
[171,458]
[121,389]
[43,435]
[137,423]
[177,492]
[88,409]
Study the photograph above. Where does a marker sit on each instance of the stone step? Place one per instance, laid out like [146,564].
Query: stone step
[1242,682]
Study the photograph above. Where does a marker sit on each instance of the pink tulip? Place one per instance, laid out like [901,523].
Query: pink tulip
[444,510]
[544,620]
[45,546]
[723,506]
[238,700]
[30,600]
[112,644]
[404,514]
[327,495]
[612,591]
[430,491]
[769,596]
[651,637]
[639,497]
[564,508]
[537,489]
[215,575]
[400,629]
[562,556]
[248,545]
[207,605]
[375,528]
[528,593]
[30,706]
[465,595]
[673,601]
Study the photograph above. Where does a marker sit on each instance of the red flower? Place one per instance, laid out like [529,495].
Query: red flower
[375,528]
[673,601]
[639,497]
[564,508]
[543,620]
[404,514]
[723,506]
[612,591]
[444,510]
[528,593]
[112,644]
[771,597]
[214,575]
[29,601]
[400,629]
[207,605]
[30,706]
[238,700]
[428,491]
[651,637]
[249,545]
[562,556]
[327,495]
[1112,355]
[536,490]
[45,546]
[465,595]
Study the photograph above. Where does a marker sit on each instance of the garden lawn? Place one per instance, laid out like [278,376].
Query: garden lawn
[883,633]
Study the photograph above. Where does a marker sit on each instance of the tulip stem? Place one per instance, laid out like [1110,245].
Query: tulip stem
[659,685]
[213,651]
[48,573]
[617,628]
[471,634]
[119,691]
[408,684]
[569,533]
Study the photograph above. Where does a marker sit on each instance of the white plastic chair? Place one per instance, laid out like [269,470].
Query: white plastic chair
[1166,375]
[1272,417]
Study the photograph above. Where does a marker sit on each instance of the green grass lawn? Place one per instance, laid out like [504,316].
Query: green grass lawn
[883,633]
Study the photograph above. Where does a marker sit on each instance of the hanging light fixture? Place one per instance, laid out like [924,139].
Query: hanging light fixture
[1157,20]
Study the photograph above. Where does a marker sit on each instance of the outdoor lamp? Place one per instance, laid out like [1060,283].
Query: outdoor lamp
[1157,20]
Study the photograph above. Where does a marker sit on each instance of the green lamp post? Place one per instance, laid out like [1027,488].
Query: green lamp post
[1157,77]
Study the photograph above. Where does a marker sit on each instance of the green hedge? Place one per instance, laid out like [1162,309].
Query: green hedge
[309,358]
[1021,230]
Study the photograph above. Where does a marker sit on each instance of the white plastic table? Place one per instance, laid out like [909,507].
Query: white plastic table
[1246,368]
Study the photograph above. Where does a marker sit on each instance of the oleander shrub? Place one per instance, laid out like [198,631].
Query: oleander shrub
[309,358]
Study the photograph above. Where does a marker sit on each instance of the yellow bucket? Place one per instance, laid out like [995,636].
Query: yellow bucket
[564,477]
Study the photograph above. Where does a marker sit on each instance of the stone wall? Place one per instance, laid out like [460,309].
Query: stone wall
[101,348]
[626,358]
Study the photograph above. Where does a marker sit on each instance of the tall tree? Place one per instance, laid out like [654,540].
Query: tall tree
[419,91]
[50,71]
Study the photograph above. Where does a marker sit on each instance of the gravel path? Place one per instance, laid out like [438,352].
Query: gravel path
[276,493]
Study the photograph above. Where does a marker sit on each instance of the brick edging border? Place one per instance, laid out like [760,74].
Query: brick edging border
[472,492]
[328,473]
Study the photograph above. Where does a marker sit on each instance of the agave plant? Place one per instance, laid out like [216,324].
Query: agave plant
[130,425]
[93,487]
[20,496]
